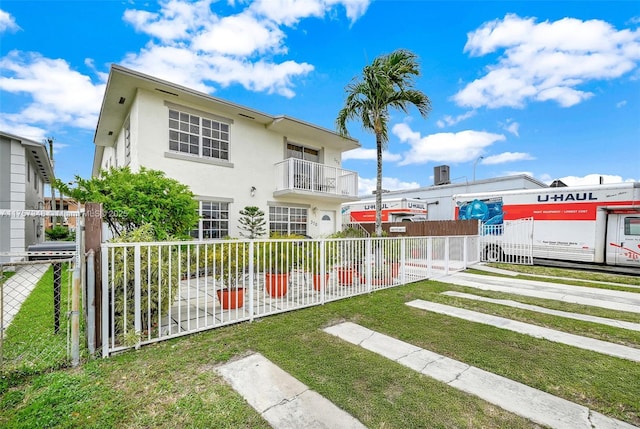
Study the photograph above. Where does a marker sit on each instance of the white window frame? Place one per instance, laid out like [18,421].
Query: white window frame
[212,212]
[294,218]
[197,135]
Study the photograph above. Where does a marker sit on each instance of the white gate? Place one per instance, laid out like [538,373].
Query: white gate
[511,242]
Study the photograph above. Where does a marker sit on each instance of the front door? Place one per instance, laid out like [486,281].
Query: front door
[327,223]
[623,241]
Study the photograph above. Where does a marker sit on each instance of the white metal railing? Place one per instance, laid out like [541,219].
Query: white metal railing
[298,174]
[156,291]
[511,241]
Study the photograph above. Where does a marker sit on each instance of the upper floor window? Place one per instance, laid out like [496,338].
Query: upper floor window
[301,152]
[198,136]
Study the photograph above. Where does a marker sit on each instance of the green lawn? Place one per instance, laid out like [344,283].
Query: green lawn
[30,343]
[173,384]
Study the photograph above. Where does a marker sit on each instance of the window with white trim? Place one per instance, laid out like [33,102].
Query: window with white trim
[197,136]
[288,220]
[127,143]
[214,220]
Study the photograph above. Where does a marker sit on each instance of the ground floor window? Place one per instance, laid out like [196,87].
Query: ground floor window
[288,220]
[214,220]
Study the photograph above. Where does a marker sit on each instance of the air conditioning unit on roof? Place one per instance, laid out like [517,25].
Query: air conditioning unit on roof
[441,175]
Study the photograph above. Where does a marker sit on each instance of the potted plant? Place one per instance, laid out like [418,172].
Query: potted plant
[277,257]
[230,260]
[350,255]
[315,261]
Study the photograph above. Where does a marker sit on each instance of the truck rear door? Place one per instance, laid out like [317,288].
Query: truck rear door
[623,239]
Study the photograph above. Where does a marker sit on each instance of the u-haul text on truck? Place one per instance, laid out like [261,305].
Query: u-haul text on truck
[393,210]
[599,224]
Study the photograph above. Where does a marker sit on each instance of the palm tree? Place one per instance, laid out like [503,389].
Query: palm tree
[385,83]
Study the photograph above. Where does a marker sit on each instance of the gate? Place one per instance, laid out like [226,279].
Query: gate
[511,242]
[40,301]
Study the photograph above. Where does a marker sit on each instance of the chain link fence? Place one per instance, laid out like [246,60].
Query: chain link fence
[36,315]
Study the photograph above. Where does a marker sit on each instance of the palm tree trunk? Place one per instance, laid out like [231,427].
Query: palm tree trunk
[378,231]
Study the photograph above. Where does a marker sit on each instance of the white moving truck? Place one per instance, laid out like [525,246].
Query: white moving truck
[597,224]
[393,210]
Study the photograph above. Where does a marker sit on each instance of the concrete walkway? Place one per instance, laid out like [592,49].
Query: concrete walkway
[282,400]
[604,298]
[585,317]
[579,341]
[17,288]
[483,267]
[533,404]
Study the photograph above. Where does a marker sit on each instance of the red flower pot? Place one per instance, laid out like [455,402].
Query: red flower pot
[230,299]
[317,281]
[276,284]
[346,276]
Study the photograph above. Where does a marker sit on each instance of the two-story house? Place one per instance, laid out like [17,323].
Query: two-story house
[25,168]
[229,155]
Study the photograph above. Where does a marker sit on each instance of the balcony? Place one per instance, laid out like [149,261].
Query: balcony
[296,177]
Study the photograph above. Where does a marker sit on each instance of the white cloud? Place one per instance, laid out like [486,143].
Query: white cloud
[367,186]
[370,154]
[621,104]
[462,146]
[505,157]
[512,127]
[589,179]
[58,93]
[289,12]
[449,120]
[21,129]
[7,22]
[546,61]
[195,47]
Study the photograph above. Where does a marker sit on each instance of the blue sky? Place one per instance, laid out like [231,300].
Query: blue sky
[547,88]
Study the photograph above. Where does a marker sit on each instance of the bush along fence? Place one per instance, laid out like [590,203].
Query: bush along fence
[156,291]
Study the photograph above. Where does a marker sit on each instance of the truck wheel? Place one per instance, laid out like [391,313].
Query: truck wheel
[493,253]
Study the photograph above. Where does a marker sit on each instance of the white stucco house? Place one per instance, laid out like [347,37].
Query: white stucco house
[25,168]
[229,155]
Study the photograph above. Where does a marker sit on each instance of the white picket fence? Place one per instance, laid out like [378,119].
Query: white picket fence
[156,291]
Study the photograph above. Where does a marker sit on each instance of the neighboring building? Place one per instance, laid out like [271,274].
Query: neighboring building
[439,198]
[66,204]
[25,168]
[229,155]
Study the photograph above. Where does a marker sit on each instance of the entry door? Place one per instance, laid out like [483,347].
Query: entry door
[625,247]
[327,223]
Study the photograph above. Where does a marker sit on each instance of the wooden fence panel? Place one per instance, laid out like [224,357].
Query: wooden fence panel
[428,228]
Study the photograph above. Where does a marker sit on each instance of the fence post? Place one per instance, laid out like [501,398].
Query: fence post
[75,316]
[90,298]
[136,294]
[93,241]
[103,317]
[446,255]
[57,280]
[252,269]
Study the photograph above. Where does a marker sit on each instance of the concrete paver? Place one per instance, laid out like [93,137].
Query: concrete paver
[533,404]
[604,298]
[281,399]
[577,316]
[579,341]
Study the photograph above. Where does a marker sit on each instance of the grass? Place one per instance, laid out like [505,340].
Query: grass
[29,343]
[594,279]
[6,275]
[173,384]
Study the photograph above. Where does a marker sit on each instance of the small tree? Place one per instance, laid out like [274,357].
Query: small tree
[130,200]
[252,221]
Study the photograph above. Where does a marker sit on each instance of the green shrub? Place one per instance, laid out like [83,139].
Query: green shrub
[159,278]
[60,233]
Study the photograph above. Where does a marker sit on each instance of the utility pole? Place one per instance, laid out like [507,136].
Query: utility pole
[54,220]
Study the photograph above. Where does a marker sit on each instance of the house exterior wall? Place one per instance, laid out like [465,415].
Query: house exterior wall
[21,188]
[253,153]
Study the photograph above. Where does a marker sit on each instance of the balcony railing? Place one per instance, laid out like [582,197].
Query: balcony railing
[298,175]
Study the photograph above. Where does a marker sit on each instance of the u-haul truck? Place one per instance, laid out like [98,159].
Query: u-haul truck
[393,210]
[598,224]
